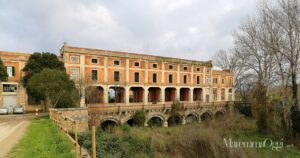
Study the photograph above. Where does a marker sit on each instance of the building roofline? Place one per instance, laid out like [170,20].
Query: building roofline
[67,48]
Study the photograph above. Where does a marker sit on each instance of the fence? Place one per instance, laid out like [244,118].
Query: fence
[68,123]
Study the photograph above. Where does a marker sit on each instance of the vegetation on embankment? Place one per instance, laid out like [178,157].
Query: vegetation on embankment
[42,140]
[194,140]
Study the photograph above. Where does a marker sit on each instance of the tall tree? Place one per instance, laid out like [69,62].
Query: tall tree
[3,72]
[286,18]
[39,61]
[54,87]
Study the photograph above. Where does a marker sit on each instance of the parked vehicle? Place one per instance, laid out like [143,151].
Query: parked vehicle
[18,109]
[3,110]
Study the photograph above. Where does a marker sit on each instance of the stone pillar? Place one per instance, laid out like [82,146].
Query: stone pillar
[162,72]
[165,124]
[191,98]
[146,72]
[146,92]
[178,74]
[192,75]
[127,88]
[127,72]
[177,93]
[82,98]
[183,121]
[105,69]
[105,94]
[162,95]
[82,67]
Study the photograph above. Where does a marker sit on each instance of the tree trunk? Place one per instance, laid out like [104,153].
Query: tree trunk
[295,92]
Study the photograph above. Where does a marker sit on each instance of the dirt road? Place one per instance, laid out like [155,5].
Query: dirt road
[11,130]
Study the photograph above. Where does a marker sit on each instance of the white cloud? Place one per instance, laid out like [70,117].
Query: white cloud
[178,28]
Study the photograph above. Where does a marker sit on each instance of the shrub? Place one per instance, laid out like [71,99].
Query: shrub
[139,118]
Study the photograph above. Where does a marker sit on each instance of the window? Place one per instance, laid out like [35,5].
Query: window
[230,90]
[74,59]
[116,76]
[136,77]
[215,81]
[10,71]
[116,62]
[185,79]
[207,80]
[137,64]
[154,66]
[223,81]
[222,94]
[230,82]
[74,73]
[198,69]
[95,75]
[94,61]
[9,88]
[215,92]
[154,78]
[170,67]
[198,79]
[185,68]
[170,78]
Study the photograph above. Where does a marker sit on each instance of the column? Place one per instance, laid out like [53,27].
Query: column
[105,69]
[165,123]
[82,68]
[192,74]
[146,72]
[82,98]
[191,95]
[146,92]
[178,93]
[162,95]
[226,94]
[162,73]
[127,95]
[105,94]
[127,72]
[178,74]
[183,121]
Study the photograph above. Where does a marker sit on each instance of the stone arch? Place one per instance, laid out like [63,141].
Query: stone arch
[191,117]
[219,114]
[159,116]
[206,115]
[94,94]
[175,119]
[109,122]
[116,94]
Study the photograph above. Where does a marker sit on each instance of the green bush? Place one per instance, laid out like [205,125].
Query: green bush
[139,118]
[114,145]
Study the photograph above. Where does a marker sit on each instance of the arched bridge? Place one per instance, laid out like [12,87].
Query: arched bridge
[120,114]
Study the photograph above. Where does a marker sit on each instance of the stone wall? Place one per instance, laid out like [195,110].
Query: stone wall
[68,116]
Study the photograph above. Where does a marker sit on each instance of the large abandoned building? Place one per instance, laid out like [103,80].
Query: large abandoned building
[125,79]
[112,77]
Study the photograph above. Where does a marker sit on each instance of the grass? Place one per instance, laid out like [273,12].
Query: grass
[43,140]
[253,135]
[194,140]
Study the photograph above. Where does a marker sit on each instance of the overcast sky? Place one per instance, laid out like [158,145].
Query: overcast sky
[191,29]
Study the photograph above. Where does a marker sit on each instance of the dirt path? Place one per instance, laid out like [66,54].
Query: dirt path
[11,131]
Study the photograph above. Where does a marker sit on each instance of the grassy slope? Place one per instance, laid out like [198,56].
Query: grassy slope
[191,140]
[253,135]
[42,140]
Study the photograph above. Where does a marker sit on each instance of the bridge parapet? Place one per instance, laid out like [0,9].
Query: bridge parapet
[121,113]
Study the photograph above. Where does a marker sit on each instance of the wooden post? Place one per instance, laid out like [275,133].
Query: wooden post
[76,139]
[67,131]
[94,141]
